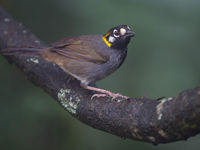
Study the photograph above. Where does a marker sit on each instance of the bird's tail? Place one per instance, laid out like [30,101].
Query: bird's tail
[21,51]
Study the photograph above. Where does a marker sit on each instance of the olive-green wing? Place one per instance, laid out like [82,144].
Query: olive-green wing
[82,48]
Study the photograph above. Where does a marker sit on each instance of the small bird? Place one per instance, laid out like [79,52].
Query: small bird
[88,58]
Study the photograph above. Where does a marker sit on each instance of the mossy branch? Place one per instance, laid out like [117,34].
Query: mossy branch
[144,119]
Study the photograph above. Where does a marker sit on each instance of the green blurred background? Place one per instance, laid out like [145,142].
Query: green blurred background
[163,60]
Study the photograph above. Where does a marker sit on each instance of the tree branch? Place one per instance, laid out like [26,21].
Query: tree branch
[143,119]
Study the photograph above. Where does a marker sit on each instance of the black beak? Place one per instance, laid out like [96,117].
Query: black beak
[130,33]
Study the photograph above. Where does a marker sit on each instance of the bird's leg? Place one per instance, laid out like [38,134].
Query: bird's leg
[70,79]
[104,93]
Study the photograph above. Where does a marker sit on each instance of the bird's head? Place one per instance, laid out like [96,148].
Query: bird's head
[118,37]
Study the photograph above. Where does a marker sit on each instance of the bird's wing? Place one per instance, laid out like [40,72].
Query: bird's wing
[82,48]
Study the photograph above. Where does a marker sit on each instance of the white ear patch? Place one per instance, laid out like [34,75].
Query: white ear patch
[111,39]
[122,31]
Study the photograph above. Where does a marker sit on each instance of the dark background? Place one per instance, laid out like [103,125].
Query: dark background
[163,60]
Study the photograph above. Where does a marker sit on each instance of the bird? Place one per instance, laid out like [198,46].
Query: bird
[87,58]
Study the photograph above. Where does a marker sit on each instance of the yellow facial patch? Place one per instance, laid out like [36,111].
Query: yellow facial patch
[105,40]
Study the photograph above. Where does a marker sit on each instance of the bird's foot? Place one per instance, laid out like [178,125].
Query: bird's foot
[98,95]
[104,93]
[113,95]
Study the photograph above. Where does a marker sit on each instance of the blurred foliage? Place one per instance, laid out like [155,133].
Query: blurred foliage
[163,60]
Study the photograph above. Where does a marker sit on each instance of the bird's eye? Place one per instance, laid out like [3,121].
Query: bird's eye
[116,33]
